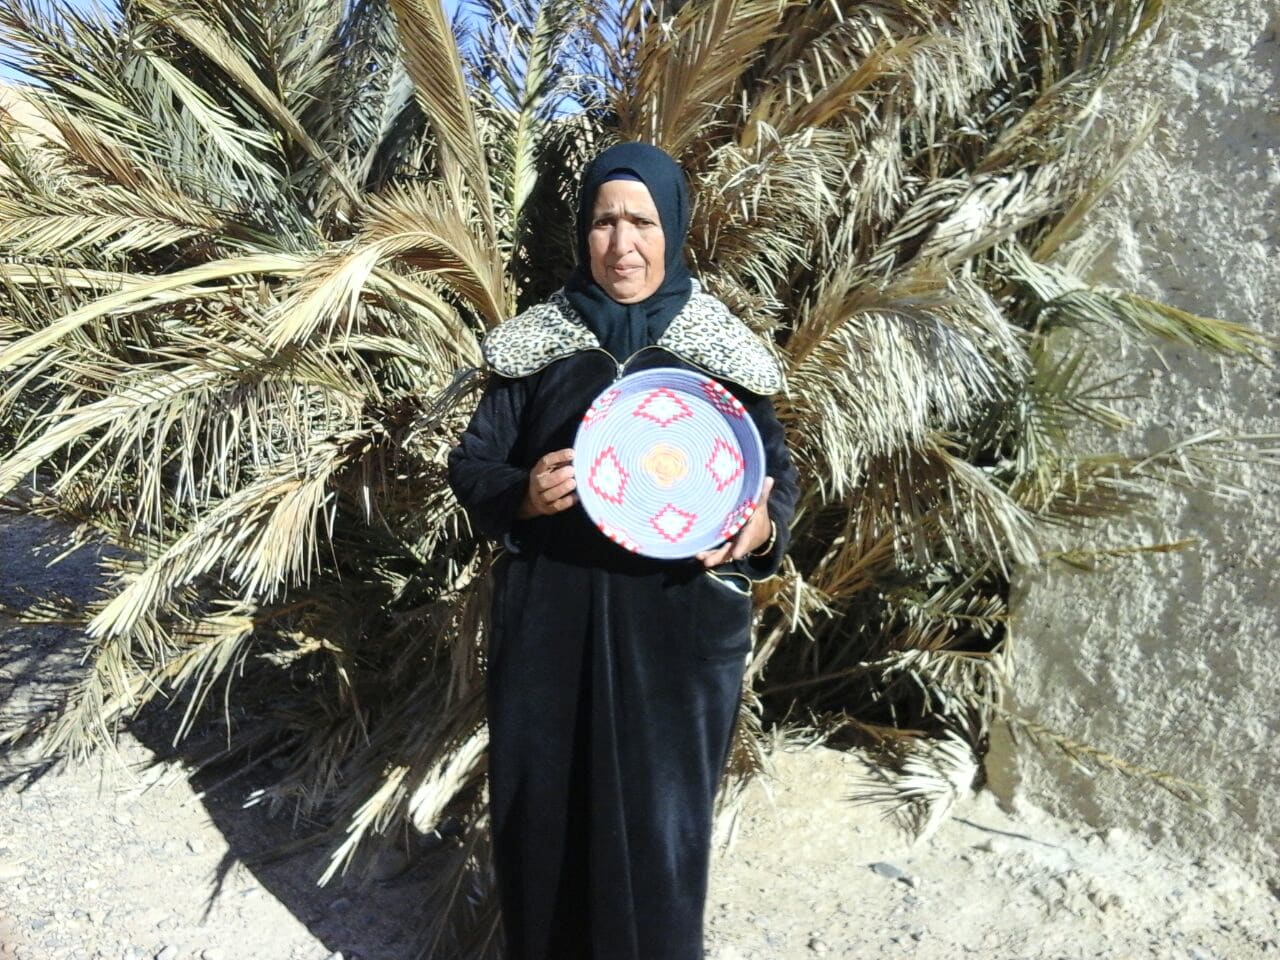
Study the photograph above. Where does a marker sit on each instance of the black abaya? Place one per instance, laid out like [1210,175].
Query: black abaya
[613,679]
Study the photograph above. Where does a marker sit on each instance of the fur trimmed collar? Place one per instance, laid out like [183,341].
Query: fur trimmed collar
[704,333]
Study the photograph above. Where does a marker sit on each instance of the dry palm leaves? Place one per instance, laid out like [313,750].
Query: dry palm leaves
[247,251]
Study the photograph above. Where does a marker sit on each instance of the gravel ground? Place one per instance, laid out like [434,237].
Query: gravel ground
[125,858]
[99,862]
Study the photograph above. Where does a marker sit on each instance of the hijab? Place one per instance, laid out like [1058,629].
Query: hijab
[624,328]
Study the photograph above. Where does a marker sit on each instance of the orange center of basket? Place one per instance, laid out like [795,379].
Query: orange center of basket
[667,465]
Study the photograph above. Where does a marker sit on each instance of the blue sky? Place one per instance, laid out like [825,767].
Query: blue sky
[6,73]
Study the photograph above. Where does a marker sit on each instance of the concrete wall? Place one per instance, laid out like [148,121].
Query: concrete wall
[1171,660]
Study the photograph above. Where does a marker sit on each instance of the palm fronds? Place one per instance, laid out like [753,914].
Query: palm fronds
[248,251]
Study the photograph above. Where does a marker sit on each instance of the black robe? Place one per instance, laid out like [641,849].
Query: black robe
[613,680]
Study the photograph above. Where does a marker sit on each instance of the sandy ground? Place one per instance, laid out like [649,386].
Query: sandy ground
[134,857]
[105,861]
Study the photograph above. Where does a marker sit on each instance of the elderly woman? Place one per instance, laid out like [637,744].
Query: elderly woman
[613,679]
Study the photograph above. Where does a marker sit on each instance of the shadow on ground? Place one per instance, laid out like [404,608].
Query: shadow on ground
[378,917]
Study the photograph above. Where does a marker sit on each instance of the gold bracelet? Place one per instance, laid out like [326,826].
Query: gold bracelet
[768,544]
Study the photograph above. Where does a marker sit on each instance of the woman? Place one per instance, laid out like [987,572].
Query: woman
[613,679]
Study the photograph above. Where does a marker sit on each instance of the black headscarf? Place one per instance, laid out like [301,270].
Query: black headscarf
[624,328]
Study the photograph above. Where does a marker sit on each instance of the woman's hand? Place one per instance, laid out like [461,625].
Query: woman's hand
[551,486]
[755,533]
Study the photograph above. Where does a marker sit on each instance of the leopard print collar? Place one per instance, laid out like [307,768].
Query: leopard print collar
[704,333]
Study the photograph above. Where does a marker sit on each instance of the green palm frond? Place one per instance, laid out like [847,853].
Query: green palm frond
[1059,300]
[1089,558]
[231,55]
[1089,759]
[520,105]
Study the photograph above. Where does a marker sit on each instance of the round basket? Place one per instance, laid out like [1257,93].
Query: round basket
[668,463]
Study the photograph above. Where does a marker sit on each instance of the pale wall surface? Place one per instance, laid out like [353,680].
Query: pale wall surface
[1171,660]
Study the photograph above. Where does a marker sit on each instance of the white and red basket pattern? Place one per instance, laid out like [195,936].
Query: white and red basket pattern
[671,463]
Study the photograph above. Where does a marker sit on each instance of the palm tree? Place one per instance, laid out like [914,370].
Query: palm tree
[248,251]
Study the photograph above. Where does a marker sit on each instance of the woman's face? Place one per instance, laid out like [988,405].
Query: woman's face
[625,243]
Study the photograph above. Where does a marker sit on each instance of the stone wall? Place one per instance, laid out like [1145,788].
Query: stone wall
[1170,660]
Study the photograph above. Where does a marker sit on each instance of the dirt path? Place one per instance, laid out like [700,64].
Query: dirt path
[98,862]
[122,858]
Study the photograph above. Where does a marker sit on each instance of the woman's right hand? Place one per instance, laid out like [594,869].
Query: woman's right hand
[551,486]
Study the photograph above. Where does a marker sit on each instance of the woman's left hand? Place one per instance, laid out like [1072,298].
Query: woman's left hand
[750,537]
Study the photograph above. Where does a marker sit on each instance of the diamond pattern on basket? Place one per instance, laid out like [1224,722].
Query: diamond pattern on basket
[725,464]
[600,409]
[723,400]
[672,523]
[608,478]
[619,537]
[663,407]
[667,458]
[737,518]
